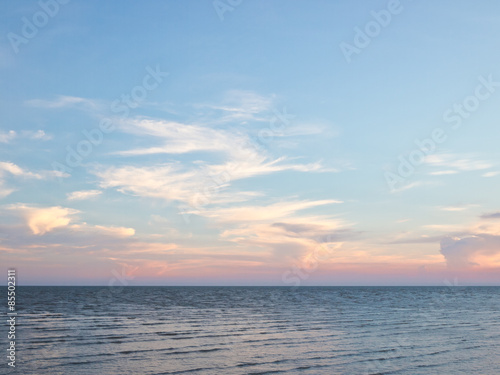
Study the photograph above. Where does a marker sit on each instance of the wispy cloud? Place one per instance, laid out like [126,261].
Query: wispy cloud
[39,134]
[283,229]
[9,169]
[491,174]
[7,137]
[238,106]
[180,138]
[14,169]
[441,173]
[454,163]
[83,194]
[275,211]
[408,186]
[63,101]
[493,215]
[457,208]
[112,231]
[232,156]
[174,182]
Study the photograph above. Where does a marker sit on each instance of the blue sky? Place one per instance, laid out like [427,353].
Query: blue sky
[239,144]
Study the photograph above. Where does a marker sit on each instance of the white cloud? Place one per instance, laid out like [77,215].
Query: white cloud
[115,231]
[15,170]
[183,182]
[240,106]
[62,101]
[454,163]
[10,169]
[180,138]
[440,173]
[173,182]
[39,134]
[272,212]
[83,194]
[6,137]
[445,227]
[457,208]
[408,186]
[44,220]
[5,191]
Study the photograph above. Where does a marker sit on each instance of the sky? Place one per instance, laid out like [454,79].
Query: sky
[257,142]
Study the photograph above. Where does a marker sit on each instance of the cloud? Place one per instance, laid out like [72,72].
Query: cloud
[457,208]
[454,163]
[421,239]
[15,170]
[476,250]
[318,232]
[179,138]
[408,186]
[173,182]
[491,174]
[62,101]
[291,240]
[83,194]
[44,220]
[39,134]
[476,245]
[239,106]
[440,173]
[446,227]
[186,183]
[493,215]
[282,230]
[238,149]
[228,155]
[115,231]
[270,212]
[6,137]
[9,169]
[5,191]
[166,181]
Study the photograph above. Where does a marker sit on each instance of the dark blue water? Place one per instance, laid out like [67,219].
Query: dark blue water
[255,330]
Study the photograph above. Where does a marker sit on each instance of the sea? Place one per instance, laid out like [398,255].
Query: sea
[255,330]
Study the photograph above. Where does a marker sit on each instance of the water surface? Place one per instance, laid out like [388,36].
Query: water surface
[257,330]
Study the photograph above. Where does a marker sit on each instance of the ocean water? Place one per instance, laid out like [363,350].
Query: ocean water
[257,330]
